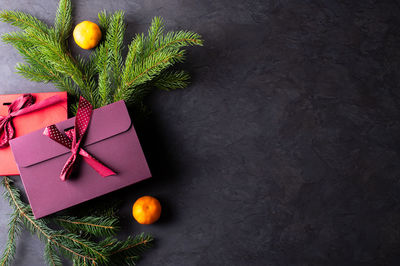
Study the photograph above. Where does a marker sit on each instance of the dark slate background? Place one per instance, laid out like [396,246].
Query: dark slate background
[285,148]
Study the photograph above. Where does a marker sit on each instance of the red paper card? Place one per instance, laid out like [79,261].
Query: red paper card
[30,122]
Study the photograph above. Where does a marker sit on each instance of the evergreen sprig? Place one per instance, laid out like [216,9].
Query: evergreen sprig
[104,77]
[96,226]
[70,241]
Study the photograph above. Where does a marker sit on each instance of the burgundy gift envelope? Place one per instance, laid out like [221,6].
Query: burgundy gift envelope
[110,138]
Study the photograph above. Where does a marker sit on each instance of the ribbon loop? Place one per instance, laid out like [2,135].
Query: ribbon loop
[73,139]
[22,105]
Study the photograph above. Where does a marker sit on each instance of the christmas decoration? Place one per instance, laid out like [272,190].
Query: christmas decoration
[110,137]
[105,77]
[102,79]
[146,210]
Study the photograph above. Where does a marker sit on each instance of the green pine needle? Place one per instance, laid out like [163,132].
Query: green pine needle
[96,226]
[51,255]
[13,232]
[172,80]
[63,20]
[129,251]
[23,21]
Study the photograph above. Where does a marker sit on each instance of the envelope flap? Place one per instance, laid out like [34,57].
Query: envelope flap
[106,122]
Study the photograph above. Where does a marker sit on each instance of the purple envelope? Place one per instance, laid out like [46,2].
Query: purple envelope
[110,138]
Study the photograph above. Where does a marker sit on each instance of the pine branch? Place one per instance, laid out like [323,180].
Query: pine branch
[23,21]
[114,42]
[96,226]
[68,244]
[30,53]
[79,249]
[149,69]
[50,255]
[45,50]
[71,244]
[103,68]
[149,56]
[63,20]
[172,80]
[109,55]
[129,251]
[13,231]
[104,21]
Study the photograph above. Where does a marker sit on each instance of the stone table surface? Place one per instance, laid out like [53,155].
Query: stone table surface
[284,150]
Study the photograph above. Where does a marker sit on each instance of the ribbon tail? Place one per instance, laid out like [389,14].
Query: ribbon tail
[100,168]
[6,133]
[67,169]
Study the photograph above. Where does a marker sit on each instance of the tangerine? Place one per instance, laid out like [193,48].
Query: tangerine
[87,35]
[146,210]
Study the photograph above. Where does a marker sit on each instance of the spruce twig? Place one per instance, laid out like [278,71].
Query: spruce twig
[13,231]
[105,77]
[96,226]
[79,248]
[70,245]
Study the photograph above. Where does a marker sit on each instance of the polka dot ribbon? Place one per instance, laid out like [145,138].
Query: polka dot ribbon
[73,139]
[22,105]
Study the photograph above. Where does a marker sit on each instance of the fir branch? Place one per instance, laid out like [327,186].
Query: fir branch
[23,21]
[33,73]
[151,67]
[29,52]
[50,255]
[127,252]
[79,246]
[104,21]
[177,40]
[135,51]
[149,56]
[114,42]
[172,80]
[63,20]
[96,226]
[13,231]
[155,32]
[70,245]
[103,68]
[81,250]
[66,84]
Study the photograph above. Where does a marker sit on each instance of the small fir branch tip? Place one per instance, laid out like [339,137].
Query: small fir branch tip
[63,20]
[23,21]
[13,232]
[172,80]
[51,255]
[96,226]
[127,252]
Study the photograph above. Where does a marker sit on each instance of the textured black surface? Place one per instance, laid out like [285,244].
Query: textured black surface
[285,148]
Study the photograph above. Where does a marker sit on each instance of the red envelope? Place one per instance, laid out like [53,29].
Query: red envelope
[30,122]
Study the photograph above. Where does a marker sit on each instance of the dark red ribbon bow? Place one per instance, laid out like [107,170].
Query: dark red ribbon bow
[22,105]
[73,141]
